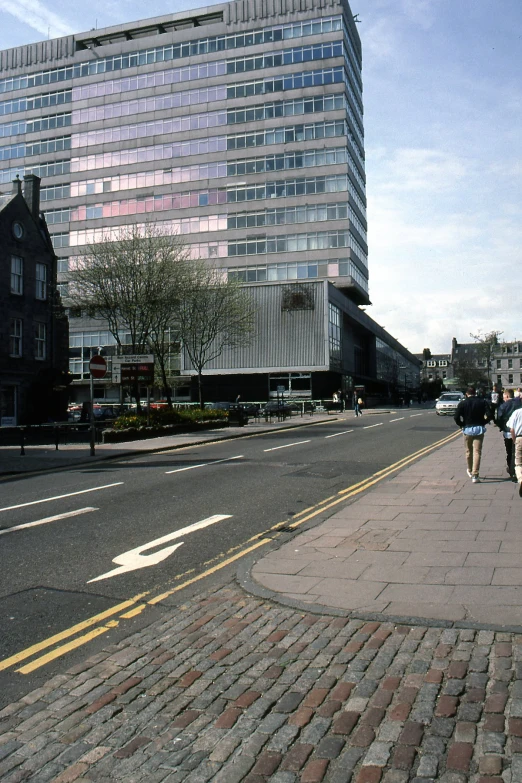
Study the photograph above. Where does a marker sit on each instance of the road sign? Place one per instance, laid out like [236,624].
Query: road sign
[133,358]
[137,373]
[98,367]
[130,360]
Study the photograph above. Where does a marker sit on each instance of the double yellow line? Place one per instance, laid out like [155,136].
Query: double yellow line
[134,606]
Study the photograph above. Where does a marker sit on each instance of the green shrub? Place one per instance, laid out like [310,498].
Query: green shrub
[165,416]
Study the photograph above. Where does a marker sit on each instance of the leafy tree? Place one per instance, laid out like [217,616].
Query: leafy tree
[487,343]
[468,374]
[214,314]
[134,283]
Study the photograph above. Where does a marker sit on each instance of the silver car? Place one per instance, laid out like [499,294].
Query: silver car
[446,405]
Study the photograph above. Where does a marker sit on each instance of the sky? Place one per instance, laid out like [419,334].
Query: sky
[443,136]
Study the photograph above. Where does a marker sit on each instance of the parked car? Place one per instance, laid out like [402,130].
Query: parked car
[446,404]
[281,407]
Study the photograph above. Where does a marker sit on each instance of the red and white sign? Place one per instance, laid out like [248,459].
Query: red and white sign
[98,367]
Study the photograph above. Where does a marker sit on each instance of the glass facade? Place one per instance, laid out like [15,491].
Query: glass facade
[249,140]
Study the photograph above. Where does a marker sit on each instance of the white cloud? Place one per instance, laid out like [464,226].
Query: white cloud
[36,15]
[410,169]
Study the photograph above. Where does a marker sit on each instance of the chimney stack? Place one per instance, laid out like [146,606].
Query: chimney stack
[32,194]
[17,185]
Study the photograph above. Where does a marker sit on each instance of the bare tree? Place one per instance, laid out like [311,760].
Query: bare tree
[214,314]
[134,283]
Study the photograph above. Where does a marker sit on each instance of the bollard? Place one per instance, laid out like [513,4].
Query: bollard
[56,437]
[22,442]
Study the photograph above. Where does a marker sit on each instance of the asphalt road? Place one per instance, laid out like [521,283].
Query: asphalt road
[76,543]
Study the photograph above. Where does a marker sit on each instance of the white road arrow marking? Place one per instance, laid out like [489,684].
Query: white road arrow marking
[133,559]
[48,519]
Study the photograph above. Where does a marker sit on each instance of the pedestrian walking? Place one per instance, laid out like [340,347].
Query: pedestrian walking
[495,400]
[515,426]
[342,399]
[357,404]
[510,404]
[472,415]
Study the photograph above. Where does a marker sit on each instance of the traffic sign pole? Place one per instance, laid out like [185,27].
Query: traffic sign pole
[93,431]
[97,369]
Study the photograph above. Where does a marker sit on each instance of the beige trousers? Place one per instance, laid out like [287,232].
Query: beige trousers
[474,452]
[518,458]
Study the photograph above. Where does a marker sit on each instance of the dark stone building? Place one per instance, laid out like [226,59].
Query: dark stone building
[33,327]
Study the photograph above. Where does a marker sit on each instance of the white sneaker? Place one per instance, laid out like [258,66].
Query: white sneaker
[469,473]
[475,480]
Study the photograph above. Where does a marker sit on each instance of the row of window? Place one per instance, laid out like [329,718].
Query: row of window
[260,245]
[199,95]
[510,380]
[37,124]
[180,149]
[201,71]
[16,345]
[212,144]
[201,198]
[17,278]
[335,267]
[44,170]
[205,223]
[173,52]
[256,113]
[290,243]
[35,148]
[509,363]
[280,216]
[284,161]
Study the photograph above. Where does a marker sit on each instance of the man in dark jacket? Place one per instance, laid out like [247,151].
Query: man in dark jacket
[472,415]
[510,404]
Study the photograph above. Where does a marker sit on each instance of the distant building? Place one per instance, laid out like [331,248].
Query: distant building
[473,363]
[324,342]
[33,331]
[436,368]
[506,369]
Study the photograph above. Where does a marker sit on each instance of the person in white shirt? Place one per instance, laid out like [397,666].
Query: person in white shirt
[515,426]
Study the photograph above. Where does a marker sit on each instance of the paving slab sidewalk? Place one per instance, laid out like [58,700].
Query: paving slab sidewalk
[425,543]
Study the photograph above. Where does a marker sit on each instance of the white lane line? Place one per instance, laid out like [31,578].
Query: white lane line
[415,414]
[133,559]
[204,464]
[401,418]
[345,432]
[287,445]
[49,519]
[373,425]
[60,497]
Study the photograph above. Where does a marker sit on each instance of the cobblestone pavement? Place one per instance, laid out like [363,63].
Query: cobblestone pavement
[232,688]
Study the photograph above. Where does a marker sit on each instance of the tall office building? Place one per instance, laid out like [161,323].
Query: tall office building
[239,126]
